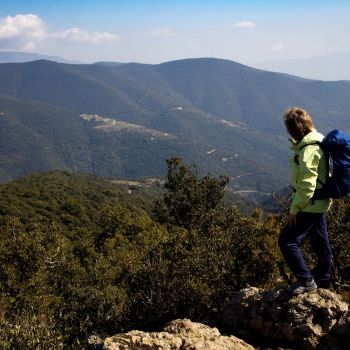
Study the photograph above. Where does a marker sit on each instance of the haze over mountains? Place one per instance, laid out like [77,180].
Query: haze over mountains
[125,120]
[333,66]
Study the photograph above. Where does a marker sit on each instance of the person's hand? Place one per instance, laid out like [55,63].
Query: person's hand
[292,220]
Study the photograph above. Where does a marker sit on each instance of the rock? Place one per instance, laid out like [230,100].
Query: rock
[305,320]
[179,334]
[339,337]
[315,320]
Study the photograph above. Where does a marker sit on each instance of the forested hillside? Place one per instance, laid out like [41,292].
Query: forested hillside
[80,255]
[71,200]
[124,120]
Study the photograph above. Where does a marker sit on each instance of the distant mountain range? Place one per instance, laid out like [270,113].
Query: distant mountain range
[20,57]
[330,67]
[125,120]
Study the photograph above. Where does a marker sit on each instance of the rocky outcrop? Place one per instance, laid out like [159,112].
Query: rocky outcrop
[316,320]
[178,334]
[319,319]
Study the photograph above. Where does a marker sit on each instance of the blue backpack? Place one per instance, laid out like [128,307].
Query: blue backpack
[336,147]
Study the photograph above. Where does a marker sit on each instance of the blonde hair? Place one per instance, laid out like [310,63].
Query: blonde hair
[298,122]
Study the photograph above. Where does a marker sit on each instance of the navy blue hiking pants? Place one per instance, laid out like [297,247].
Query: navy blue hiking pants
[313,225]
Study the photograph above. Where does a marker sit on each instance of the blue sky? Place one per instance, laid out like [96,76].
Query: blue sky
[155,31]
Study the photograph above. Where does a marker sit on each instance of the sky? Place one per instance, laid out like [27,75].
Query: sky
[148,31]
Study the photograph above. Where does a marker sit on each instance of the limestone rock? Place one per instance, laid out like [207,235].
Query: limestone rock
[304,320]
[179,334]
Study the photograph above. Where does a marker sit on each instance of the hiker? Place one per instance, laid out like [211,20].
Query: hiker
[307,216]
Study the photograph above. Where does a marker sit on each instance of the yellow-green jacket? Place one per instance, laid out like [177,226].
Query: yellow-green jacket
[312,165]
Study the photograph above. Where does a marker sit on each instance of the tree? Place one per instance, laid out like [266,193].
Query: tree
[189,198]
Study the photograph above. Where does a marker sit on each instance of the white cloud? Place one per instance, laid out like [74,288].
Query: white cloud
[21,32]
[158,33]
[277,47]
[26,31]
[244,24]
[30,25]
[83,36]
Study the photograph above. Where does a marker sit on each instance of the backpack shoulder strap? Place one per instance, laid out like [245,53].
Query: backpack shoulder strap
[319,143]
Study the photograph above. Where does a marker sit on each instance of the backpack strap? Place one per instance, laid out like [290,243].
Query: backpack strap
[318,143]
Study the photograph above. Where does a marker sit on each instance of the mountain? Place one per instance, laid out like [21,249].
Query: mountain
[333,66]
[20,57]
[124,120]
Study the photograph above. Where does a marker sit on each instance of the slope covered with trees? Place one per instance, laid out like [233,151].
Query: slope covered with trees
[78,256]
[219,114]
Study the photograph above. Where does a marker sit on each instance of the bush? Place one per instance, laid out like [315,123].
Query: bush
[339,233]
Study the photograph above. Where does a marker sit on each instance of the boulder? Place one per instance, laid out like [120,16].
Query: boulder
[310,320]
[179,334]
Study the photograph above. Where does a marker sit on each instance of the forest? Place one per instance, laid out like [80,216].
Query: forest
[81,256]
